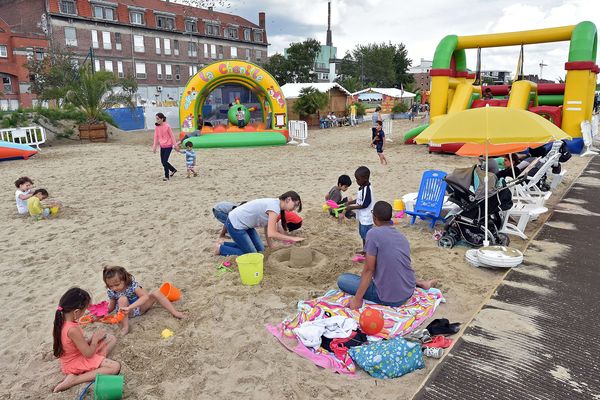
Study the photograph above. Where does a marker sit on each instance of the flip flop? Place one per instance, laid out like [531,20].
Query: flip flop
[359,258]
[439,341]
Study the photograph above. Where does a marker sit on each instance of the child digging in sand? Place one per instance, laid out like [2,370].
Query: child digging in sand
[125,294]
[80,358]
[39,210]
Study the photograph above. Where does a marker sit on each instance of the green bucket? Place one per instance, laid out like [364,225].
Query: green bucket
[108,387]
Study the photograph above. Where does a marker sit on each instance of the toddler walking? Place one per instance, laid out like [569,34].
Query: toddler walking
[81,359]
[190,158]
[125,294]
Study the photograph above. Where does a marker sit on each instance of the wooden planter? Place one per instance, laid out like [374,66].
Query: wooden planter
[93,132]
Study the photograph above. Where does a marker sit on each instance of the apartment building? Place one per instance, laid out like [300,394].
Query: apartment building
[161,43]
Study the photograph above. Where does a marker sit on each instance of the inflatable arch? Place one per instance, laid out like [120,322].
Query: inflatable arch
[272,130]
[568,104]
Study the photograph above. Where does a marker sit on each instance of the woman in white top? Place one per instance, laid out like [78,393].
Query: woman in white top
[242,222]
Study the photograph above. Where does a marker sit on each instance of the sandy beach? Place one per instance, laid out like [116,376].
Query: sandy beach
[118,211]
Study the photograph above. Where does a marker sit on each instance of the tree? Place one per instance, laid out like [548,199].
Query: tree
[297,65]
[310,101]
[94,92]
[52,75]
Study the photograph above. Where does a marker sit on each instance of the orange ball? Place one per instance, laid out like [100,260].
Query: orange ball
[371,321]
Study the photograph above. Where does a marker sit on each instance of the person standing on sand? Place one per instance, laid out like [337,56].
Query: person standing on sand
[353,114]
[387,277]
[164,137]
[374,119]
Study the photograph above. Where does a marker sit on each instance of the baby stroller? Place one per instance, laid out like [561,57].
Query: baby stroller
[468,223]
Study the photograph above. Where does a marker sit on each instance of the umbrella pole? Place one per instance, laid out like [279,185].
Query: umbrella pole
[486,242]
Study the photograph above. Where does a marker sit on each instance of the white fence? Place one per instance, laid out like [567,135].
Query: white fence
[298,130]
[388,128]
[30,135]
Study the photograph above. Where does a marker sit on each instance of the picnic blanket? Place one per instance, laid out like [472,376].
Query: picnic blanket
[398,321]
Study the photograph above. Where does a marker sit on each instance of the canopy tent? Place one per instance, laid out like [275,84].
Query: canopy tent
[391,92]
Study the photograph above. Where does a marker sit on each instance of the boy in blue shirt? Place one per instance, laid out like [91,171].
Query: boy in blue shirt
[379,141]
[190,158]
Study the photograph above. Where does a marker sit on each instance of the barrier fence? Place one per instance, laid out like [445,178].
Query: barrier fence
[30,135]
[298,130]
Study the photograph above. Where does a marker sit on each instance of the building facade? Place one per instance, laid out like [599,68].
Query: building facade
[421,74]
[161,44]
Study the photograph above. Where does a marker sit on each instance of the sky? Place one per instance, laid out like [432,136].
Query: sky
[420,25]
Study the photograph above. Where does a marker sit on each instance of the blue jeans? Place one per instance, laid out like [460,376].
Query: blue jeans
[363,230]
[244,241]
[220,216]
[348,283]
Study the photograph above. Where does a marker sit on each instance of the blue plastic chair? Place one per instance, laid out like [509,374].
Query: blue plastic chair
[431,197]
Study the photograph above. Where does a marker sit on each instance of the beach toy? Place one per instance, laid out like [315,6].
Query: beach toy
[371,321]
[251,268]
[325,208]
[335,207]
[398,205]
[359,258]
[108,387]
[332,204]
[99,309]
[223,268]
[399,214]
[54,210]
[166,333]
[106,319]
[170,291]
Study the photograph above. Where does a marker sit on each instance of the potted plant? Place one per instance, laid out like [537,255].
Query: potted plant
[399,111]
[93,93]
[309,104]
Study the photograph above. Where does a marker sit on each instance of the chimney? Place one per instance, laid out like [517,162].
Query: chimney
[261,20]
[329,42]
[210,8]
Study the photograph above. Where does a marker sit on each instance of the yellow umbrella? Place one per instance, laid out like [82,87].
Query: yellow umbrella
[491,125]
[496,125]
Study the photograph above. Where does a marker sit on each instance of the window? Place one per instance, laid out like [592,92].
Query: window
[6,84]
[158,71]
[258,36]
[140,70]
[157,45]
[206,55]
[138,43]
[247,35]
[3,51]
[213,51]
[177,72]
[168,46]
[234,52]
[193,70]
[95,39]
[192,49]
[108,66]
[39,54]
[103,12]
[68,7]
[191,26]
[247,54]
[106,45]
[136,17]
[118,44]
[168,72]
[70,36]
[120,69]
[220,52]
[96,65]
[164,22]
[176,47]
[258,55]
[212,29]
[231,33]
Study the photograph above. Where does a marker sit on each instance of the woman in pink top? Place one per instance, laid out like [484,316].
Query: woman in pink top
[163,137]
[80,358]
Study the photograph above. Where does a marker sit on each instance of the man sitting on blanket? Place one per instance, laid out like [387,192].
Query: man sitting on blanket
[387,277]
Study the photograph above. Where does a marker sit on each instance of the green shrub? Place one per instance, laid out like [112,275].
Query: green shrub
[400,107]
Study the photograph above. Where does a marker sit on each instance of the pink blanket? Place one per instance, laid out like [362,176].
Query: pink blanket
[398,321]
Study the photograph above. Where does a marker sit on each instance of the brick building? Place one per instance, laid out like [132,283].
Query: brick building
[162,44]
[421,74]
[23,38]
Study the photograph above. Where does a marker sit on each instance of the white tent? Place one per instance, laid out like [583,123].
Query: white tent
[391,92]
[292,90]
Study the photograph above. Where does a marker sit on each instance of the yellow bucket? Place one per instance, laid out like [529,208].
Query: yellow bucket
[325,208]
[251,268]
[398,205]
[54,210]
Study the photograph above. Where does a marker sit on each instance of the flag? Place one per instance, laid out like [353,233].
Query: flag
[401,90]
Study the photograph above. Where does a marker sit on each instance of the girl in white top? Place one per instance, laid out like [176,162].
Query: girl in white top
[242,222]
[23,192]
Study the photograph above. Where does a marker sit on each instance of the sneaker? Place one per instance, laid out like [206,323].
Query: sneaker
[433,352]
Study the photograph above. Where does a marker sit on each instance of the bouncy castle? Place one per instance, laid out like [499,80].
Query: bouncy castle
[568,104]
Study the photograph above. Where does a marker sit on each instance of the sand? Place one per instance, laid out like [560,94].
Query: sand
[119,212]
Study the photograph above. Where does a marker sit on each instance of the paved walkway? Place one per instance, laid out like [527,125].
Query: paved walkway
[539,335]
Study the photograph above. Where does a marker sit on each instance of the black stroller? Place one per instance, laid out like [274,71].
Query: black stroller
[468,223]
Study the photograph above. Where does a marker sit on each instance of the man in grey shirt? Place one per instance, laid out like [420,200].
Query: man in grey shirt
[387,277]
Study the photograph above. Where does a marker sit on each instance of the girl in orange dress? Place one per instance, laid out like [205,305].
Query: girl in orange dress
[80,359]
